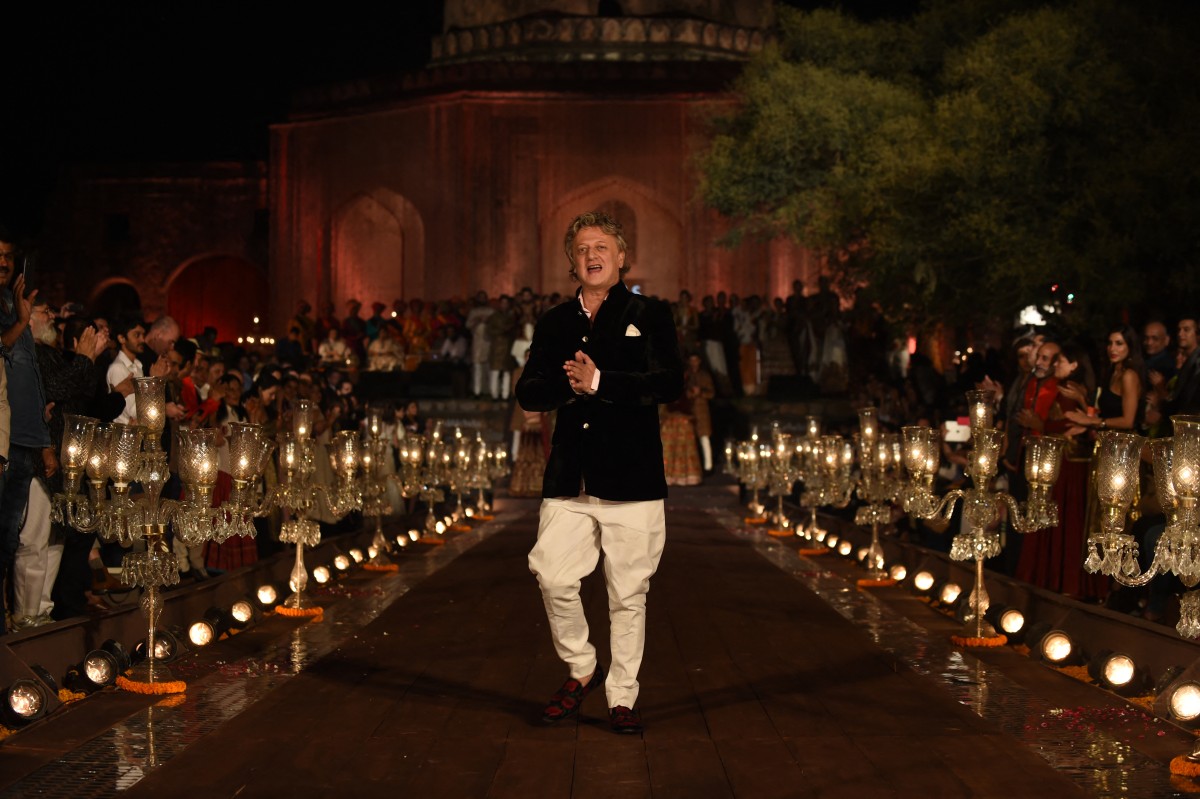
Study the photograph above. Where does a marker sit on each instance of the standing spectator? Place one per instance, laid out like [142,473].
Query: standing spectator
[307,326]
[698,390]
[745,327]
[501,331]
[131,337]
[714,349]
[354,331]
[1160,358]
[160,339]
[1119,404]
[481,345]
[376,322]
[687,322]
[30,454]
[333,350]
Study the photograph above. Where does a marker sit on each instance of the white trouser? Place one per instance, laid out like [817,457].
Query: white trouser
[706,452]
[714,351]
[516,447]
[479,371]
[500,383]
[35,565]
[571,534]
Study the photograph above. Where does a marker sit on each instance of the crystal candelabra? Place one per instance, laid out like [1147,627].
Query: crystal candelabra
[784,466]
[375,472]
[1112,551]
[130,456]
[829,479]
[297,491]
[878,482]
[423,465]
[753,470]
[981,505]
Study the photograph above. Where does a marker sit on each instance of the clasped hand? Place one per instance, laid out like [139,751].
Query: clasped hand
[580,372]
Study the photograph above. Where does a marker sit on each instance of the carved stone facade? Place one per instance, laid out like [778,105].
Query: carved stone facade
[463,176]
[190,240]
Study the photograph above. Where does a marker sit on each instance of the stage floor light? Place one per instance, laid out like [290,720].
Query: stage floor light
[25,701]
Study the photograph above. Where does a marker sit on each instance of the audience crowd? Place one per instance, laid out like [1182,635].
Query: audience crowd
[60,361]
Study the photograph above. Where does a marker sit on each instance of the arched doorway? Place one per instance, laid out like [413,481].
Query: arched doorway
[221,291]
[368,254]
[652,233]
[115,299]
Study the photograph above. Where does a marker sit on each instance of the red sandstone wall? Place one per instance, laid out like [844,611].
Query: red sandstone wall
[446,195]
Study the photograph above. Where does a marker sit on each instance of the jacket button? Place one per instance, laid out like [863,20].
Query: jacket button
[585,425]
[585,338]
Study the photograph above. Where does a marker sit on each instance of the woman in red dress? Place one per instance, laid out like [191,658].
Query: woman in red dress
[1053,558]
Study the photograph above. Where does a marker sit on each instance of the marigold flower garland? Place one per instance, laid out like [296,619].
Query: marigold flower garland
[1184,766]
[777,533]
[986,641]
[868,582]
[151,688]
[66,695]
[315,612]
[381,567]
[755,520]
[815,551]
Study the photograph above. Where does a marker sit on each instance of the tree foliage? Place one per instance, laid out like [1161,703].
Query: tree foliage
[959,163]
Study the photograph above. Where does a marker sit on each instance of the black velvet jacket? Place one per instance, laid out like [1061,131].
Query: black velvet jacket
[608,441]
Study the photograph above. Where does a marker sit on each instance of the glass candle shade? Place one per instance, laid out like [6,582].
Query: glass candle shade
[868,424]
[1118,455]
[124,452]
[302,419]
[1043,459]
[78,432]
[920,448]
[1164,483]
[151,396]
[885,451]
[985,454]
[198,457]
[290,457]
[344,451]
[812,426]
[374,424]
[980,409]
[245,451]
[1185,457]
[97,459]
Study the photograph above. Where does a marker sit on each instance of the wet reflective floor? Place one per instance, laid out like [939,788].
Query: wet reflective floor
[1102,762]
[751,687]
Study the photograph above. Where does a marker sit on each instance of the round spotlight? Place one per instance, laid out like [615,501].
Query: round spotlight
[402,541]
[1056,647]
[1185,701]
[1118,670]
[898,572]
[831,541]
[414,535]
[949,593]
[341,563]
[321,575]
[242,612]
[357,555]
[470,513]
[372,552]
[845,548]
[201,633]
[100,668]
[862,553]
[923,581]
[1011,621]
[440,527]
[25,701]
[267,595]
[820,534]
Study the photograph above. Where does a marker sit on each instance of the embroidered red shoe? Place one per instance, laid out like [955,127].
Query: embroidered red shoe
[625,721]
[565,703]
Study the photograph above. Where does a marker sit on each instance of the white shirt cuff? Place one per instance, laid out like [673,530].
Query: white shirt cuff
[596,381]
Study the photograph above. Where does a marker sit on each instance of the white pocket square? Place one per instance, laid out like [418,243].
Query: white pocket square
[632,331]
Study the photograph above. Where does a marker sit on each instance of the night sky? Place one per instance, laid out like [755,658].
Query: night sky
[112,83]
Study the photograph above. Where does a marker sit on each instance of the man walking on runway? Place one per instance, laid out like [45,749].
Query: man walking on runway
[604,360]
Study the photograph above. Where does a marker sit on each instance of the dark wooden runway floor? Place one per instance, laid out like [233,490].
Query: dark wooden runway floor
[751,687]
